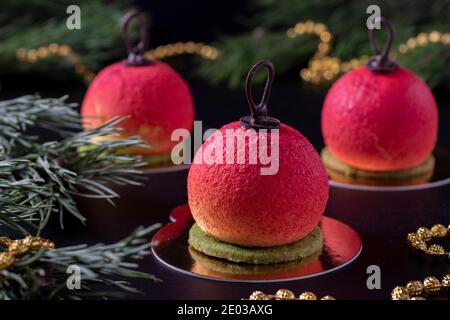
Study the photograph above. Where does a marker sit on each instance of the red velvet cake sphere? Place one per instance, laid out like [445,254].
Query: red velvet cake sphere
[155,97]
[380,120]
[236,204]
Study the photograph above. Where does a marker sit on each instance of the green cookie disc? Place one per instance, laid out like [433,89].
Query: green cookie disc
[334,166]
[301,249]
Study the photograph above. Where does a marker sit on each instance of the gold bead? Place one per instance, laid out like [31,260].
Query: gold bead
[414,288]
[17,247]
[423,234]
[419,245]
[431,284]
[284,294]
[53,48]
[435,36]
[436,250]
[5,241]
[418,298]
[412,237]
[438,231]
[258,295]
[446,281]
[6,260]
[307,296]
[400,293]
[328,297]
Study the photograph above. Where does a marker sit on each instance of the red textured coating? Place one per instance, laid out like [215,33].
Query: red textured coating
[155,96]
[236,204]
[380,121]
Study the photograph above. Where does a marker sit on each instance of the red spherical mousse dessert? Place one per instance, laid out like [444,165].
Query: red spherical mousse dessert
[380,121]
[150,93]
[236,204]
[257,189]
[154,96]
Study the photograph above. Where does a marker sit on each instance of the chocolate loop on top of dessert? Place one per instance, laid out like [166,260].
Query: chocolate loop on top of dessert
[259,118]
[136,52]
[381,62]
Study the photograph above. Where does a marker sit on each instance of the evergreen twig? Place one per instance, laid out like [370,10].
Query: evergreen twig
[43,274]
[41,178]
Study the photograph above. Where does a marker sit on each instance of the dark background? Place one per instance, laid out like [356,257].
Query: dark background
[383,219]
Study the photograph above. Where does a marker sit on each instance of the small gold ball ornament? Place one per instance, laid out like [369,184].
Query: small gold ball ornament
[400,293]
[438,231]
[6,260]
[446,281]
[328,297]
[423,234]
[418,298]
[436,250]
[415,288]
[284,294]
[419,245]
[307,296]
[258,295]
[432,284]
[411,237]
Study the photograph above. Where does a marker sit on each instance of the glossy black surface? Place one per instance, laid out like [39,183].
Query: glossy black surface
[382,219]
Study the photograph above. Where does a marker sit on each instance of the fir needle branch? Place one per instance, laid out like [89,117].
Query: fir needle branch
[47,175]
[104,270]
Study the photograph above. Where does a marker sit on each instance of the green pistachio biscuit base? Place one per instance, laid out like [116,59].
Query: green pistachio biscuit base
[333,165]
[301,249]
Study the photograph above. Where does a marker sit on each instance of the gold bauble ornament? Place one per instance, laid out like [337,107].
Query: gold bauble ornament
[307,296]
[284,294]
[328,297]
[418,298]
[423,234]
[415,288]
[432,284]
[438,231]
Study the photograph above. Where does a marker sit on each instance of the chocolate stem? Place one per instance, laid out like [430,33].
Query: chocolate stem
[136,53]
[259,118]
[382,63]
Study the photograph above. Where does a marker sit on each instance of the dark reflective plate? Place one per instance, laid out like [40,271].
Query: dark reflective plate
[342,245]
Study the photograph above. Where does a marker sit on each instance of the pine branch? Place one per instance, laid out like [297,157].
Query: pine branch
[104,270]
[20,114]
[42,178]
[346,21]
[21,27]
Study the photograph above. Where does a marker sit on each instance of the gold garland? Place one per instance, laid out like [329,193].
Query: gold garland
[285,294]
[321,67]
[17,248]
[414,290]
[418,240]
[59,51]
[64,51]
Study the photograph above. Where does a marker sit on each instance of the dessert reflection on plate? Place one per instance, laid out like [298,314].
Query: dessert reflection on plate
[223,269]
[341,245]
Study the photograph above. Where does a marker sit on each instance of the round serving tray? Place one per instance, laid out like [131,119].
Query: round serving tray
[342,245]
